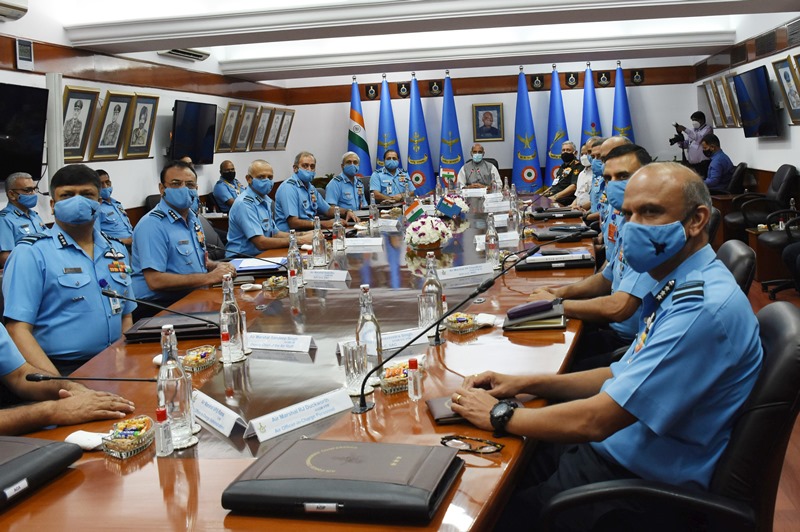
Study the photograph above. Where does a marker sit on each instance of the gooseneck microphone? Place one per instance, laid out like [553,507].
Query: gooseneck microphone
[363,406]
[39,377]
[112,294]
[245,255]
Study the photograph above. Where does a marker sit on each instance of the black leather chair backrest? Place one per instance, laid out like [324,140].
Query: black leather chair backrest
[151,201]
[740,259]
[750,468]
[736,186]
[713,223]
[492,161]
[783,185]
[214,238]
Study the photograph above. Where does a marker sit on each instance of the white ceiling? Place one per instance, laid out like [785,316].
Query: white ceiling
[288,43]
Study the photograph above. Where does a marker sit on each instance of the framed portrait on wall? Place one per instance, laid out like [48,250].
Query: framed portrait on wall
[286,127]
[229,123]
[726,107]
[487,122]
[273,128]
[713,103]
[788,81]
[79,106]
[730,92]
[114,122]
[139,136]
[262,121]
[246,129]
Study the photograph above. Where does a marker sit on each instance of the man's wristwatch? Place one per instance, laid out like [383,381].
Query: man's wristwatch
[500,415]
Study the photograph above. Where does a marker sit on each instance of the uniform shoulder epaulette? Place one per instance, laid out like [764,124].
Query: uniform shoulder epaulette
[109,237]
[339,178]
[249,199]
[3,214]
[32,238]
[689,290]
[157,213]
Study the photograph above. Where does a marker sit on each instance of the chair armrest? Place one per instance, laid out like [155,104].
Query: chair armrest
[773,217]
[736,202]
[767,206]
[736,515]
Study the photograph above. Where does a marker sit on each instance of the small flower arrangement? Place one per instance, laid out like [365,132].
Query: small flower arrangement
[427,231]
[417,262]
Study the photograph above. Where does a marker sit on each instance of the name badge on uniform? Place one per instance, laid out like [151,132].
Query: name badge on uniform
[116,305]
[612,232]
[25,229]
[73,270]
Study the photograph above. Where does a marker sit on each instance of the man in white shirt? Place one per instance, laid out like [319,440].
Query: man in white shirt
[477,173]
[584,186]
[694,152]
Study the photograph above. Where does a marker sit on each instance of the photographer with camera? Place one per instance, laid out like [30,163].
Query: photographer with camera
[689,139]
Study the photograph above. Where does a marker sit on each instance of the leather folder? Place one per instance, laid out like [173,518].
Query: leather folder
[28,463]
[186,328]
[548,319]
[395,483]
[550,215]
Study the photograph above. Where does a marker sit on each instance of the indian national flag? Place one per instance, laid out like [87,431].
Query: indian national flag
[448,176]
[414,211]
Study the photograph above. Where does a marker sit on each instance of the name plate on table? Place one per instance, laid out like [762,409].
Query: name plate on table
[298,415]
[326,275]
[501,220]
[483,268]
[279,342]
[428,209]
[215,414]
[393,340]
[359,244]
[507,239]
[497,206]
[494,197]
[328,285]
[474,192]
[387,224]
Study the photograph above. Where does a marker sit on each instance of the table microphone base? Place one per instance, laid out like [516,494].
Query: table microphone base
[358,409]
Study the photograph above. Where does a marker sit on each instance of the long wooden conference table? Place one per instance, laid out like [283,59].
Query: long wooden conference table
[183,491]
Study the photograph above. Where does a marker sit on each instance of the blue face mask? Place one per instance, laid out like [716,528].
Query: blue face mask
[647,247]
[391,165]
[262,187]
[305,175]
[350,170]
[105,193]
[178,198]
[597,167]
[615,191]
[77,210]
[28,201]
[477,158]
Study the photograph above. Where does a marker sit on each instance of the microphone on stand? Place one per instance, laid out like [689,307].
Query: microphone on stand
[112,294]
[245,255]
[39,377]
[363,406]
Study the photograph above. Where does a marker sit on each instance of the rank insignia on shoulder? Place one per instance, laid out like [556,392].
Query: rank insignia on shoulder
[691,289]
[158,214]
[31,239]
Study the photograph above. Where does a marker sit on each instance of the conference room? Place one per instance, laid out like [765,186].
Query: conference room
[248,83]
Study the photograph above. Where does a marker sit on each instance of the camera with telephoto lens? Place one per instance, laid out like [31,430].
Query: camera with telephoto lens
[677,138]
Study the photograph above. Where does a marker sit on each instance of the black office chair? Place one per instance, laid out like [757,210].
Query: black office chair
[779,240]
[745,482]
[713,223]
[492,161]
[740,259]
[751,210]
[736,186]
[151,201]
[214,237]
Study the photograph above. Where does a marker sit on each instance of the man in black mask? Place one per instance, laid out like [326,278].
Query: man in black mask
[227,189]
[565,182]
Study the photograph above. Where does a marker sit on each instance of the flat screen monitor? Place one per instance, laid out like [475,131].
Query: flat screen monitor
[193,127]
[759,117]
[23,113]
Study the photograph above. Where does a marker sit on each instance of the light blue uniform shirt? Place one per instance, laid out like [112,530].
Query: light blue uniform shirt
[625,279]
[113,220]
[163,241]
[10,357]
[224,191]
[345,193]
[389,184]
[55,286]
[296,199]
[687,378]
[250,216]
[14,225]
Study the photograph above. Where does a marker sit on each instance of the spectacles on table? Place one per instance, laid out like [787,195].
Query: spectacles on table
[471,445]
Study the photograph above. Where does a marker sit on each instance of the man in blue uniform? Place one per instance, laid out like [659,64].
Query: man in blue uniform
[227,189]
[390,181]
[251,228]
[113,220]
[346,190]
[720,167]
[297,200]
[169,256]
[644,419]
[59,318]
[18,219]
[611,299]
[61,402]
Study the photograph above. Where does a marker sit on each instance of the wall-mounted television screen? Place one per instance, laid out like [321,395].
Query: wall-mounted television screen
[759,117]
[23,113]
[193,128]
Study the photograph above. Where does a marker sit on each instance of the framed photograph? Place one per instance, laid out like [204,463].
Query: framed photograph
[286,127]
[713,102]
[730,92]
[114,122]
[139,136]
[726,107]
[487,122]
[273,128]
[786,73]
[229,123]
[79,106]
[262,121]
[246,128]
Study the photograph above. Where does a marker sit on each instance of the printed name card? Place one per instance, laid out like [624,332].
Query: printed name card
[428,209]
[387,224]
[501,220]
[326,275]
[482,268]
[365,242]
[298,415]
[473,192]
[493,197]
[506,239]
[279,342]
[397,339]
[215,414]
[497,206]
